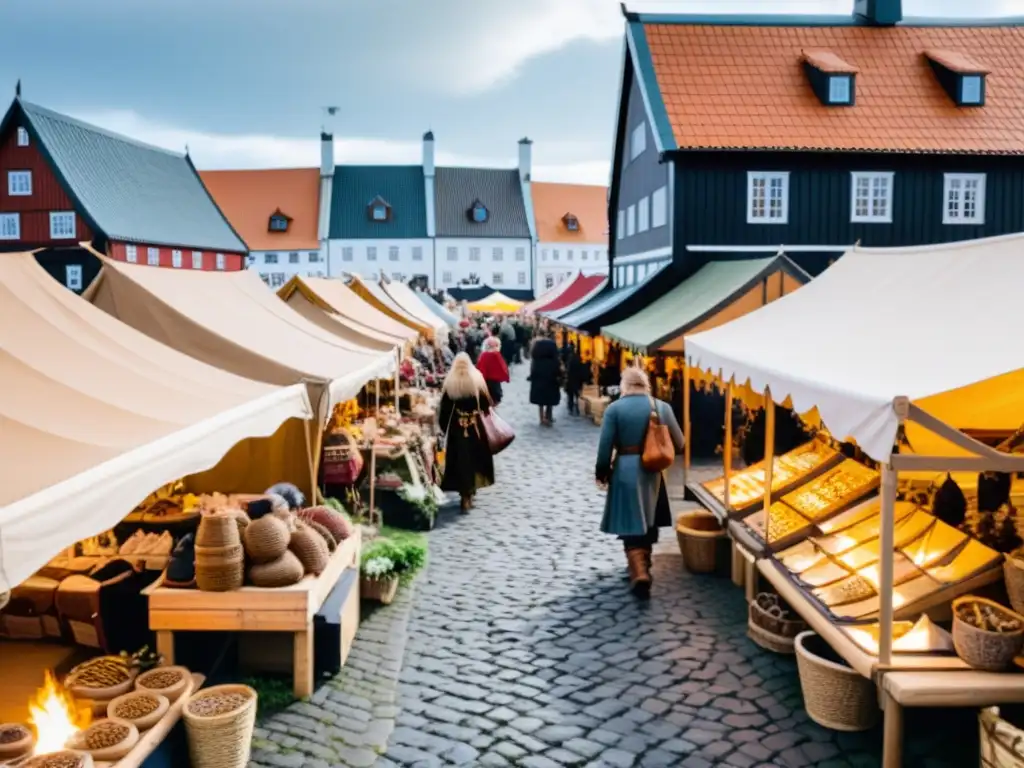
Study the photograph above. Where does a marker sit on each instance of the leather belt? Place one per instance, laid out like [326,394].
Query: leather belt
[629,450]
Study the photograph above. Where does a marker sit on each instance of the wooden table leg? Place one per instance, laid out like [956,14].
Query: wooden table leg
[892,739]
[165,645]
[302,661]
[750,580]
[737,565]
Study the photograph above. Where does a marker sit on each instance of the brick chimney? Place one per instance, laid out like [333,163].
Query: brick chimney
[880,13]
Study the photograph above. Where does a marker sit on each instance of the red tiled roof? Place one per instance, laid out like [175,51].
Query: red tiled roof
[827,61]
[956,62]
[743,87]
[581,287]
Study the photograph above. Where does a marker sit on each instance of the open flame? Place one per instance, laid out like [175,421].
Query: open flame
[55,716]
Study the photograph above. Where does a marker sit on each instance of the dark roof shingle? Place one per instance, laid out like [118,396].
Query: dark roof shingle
[131,191]
[401,187]
[501,193]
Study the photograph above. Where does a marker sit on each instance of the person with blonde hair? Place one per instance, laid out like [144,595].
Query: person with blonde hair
[636,505]
[468,464]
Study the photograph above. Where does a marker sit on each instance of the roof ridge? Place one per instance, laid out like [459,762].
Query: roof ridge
[816,20]
[33,109]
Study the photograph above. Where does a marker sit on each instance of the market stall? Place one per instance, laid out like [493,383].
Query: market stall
[549,295]
[372,293]
[854,565]
[429,302]
[409,302]
[496,303]
[579,291]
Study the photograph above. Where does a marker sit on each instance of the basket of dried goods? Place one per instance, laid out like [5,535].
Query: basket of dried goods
[835,695]
[1013,575]
[16,740]
[106,740]
[140,708]
[986,635]
[699,534]
[66,758]
[169,682]
[101,679]
[772,623]
[220,722]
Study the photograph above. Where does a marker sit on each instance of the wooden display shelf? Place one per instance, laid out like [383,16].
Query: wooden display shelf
[253,609]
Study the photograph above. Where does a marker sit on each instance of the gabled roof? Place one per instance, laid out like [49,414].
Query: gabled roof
[356,186]
[125,189]
[738,84]
[455,191]
[588,203]
[250,198]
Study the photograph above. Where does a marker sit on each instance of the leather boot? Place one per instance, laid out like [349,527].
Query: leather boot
[649,559]
[639,572]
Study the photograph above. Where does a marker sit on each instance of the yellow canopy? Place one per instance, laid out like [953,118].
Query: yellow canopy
[496,302]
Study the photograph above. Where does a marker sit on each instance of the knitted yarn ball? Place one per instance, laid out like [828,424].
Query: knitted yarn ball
[335,522]
[311,549]
[292,495]
[282,572]
[266,539]
[326,534]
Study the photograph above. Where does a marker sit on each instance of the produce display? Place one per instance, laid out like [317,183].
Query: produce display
[833,490]
[63,759]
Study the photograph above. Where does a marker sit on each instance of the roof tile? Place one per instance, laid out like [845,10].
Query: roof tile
[401,186]
[499,190]
[827,61]
[956,62]
[589,204]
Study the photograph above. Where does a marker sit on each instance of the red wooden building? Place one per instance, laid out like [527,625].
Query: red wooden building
[63,182]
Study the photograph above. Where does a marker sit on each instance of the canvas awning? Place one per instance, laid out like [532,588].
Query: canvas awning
[437,309]
[717,293]
[576,296]
[408,301]
[496,302]
[316,298]
[372,293]
[94,416]
[587,316]
[548,296]
[881,329]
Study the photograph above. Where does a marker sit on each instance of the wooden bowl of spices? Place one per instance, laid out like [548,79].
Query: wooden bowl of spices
[169,682]
[106,740]
[16,740]
[64,759]
[140,708]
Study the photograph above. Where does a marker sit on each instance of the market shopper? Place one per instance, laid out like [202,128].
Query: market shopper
[468,464]
[507,335]
[493,367]
[576,374]
[545,377]
[637,502]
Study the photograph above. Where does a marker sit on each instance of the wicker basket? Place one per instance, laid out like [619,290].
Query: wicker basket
[328,537]
[1002,744]
[311,549]
[1013,575]
[699,533]
[266,539]
[222,740]
[835,696]
[770,632]
[217,530]
[981,649]
[220,576]
[283,572]
[382,590]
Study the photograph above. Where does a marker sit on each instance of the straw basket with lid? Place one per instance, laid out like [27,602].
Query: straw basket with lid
[220,722]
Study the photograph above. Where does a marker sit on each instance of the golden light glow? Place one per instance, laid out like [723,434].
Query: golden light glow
[55,717]
[924,636]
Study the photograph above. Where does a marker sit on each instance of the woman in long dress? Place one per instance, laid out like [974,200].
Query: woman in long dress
[493,367]
[637,502]
[468,464]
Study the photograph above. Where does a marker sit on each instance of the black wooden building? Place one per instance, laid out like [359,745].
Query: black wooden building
[740,136]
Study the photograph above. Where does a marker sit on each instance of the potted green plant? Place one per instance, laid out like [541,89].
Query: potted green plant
[378,579]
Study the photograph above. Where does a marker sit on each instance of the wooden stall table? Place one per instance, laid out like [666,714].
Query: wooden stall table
[253,609]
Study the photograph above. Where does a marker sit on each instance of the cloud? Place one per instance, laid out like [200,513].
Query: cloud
[222,150]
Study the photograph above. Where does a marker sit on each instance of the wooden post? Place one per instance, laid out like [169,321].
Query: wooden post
[398,362]
[892,735]
[887,537]
[769,460]
[376,398]
[727,445]
[686,418]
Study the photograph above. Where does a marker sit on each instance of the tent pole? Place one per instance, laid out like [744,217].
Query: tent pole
[398,409]
[727,444]
[885,589]
[376,397]
[686,417]
[769,461]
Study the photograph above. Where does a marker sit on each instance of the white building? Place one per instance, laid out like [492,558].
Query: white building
[572,232]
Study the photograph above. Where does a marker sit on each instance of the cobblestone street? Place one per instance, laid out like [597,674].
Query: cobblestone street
[523,648]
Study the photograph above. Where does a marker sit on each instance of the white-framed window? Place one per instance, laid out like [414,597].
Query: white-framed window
[222,262]
[632,274]
[73,276]
[270,258]
[10,226]
[276,279]
[638,140]
[643,214]
[293,258]
[520,254]
[583,255]
[176,259]
[964,195]
[417,253]
[620,276]
[22,136]
[197,259]
[371,253]
[768,197]
[497,278]
[544,255]
[554,255]
[346,253]
[131,254]
[631,221]
[840,89]
[474,254]
[393,253]
[522,278]
[314,257]
[659,207]
[446,277]
[153,257]
[970,90]
[568,255]
[498,254]
[453,255]
[620,228]
[19,183]
[872,197]
[549,281]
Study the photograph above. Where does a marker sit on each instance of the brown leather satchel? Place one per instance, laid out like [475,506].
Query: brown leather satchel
[659,450]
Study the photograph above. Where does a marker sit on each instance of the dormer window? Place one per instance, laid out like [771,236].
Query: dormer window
[379,210]
[279,221]
[962,78]
[478,213]
[832,79]
[571,222]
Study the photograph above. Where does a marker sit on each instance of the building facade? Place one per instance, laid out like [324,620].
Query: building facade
[276,213]
[65,182]
[572,232]
[864,128]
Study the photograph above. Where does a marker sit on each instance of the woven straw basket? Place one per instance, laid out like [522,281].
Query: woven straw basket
[1013,575]
[698,533]
[1002,744]
[772,633]
[835,696]
[981,649]
[283,572]
[266,539]
[383,590]
[217,530]
[221,741]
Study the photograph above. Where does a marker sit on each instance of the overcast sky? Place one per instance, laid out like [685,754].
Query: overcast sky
[243,83]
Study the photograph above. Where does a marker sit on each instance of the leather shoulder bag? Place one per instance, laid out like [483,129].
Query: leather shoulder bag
[659,451]
[497,432]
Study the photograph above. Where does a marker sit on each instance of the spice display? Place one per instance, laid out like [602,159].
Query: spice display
[135,707]
[159,679]
[217,704]
[12,733]
[104,734]
[833,490]
[64,759]
[783,522]
[988,618]
[101,672]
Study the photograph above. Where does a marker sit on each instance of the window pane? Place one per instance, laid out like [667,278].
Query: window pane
[839,89]
[970,89]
